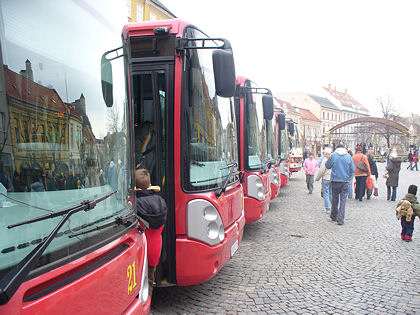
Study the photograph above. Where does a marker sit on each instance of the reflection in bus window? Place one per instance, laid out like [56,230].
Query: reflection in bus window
[60,145]
[210,129]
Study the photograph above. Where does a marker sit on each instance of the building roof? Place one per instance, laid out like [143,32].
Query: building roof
[307,114]
[21,88]
[159,4]
[346,100]
[324,102]
[286,105]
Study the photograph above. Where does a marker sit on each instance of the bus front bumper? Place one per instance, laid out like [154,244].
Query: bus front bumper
[198,262]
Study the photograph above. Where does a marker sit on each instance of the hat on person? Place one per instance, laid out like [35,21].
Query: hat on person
[393,155]
[412,189]
[327,150]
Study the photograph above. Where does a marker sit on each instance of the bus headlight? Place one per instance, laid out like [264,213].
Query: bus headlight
[204,222]
[274,178]
[144,289]
[255,187]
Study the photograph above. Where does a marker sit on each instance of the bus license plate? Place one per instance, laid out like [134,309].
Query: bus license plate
[234,248]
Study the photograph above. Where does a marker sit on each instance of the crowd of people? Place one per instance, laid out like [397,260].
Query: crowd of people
[38,180]
[341,172]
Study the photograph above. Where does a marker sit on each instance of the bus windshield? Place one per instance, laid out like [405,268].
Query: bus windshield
[257,145]
[209,123]
[272,139]
[284,144]
[60,144]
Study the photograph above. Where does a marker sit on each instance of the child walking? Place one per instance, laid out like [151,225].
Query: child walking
[407,210]
[152,208]
[310,166]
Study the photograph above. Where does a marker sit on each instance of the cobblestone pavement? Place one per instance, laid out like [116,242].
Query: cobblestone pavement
[295,260]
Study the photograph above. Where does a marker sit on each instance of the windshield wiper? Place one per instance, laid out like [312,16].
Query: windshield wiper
[231,168]
[120,220]
[16,276]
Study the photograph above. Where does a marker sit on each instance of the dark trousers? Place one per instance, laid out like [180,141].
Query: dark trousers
[414,166]
[360,187]
[394,193]
[340,191]
[407,228]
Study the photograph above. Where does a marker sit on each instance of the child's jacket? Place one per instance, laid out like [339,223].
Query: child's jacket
[310,166]
[151,207]
[408,207]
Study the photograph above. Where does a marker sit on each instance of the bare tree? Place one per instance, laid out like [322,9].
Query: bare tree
[113,120]
[390,112]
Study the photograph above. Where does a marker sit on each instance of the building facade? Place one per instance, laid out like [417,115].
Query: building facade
[350,109]
[147,10]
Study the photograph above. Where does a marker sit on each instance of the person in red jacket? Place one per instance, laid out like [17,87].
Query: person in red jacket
[361,174]
[415,160]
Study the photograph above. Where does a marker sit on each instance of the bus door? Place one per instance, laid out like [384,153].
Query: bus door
[152,101]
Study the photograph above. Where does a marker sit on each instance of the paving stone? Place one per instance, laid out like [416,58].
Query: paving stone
[361,267]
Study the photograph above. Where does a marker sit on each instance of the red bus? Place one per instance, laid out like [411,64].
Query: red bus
[296,152]
[273,153]
[181,85]
[282,146]
[69,242]
[254,106]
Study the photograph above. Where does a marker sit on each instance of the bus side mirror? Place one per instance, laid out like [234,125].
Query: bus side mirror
[268,106]
[106,80]
[224,72]
[291,127]
[281,119]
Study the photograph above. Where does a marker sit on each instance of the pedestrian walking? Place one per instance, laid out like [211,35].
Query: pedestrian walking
[310,166]
[351,182]
[342,169]
[415,160]
[407,210]
[325,174]
[393,168]
[371,182]
[410,160]
[372,165]
[362,172]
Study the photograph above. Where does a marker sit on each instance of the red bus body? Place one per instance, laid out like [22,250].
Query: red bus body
[254,208]
[63,155]
[105,288]
[193,260]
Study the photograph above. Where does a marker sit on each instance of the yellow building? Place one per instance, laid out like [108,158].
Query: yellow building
[147,10]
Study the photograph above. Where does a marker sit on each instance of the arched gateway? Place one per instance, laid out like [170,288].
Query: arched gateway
[371,130]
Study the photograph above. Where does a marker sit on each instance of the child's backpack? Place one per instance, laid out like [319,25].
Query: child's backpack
[404,209]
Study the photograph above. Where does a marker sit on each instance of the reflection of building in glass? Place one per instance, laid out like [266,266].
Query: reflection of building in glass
[46,133]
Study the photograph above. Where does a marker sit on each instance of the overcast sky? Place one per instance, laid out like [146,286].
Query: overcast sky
[369,47]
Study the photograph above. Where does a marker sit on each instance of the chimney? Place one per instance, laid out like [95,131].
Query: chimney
[345,91]
[329,86]
[29,72]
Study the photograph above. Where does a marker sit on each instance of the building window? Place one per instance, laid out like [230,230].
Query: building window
[323,115]
[328,116]
[139,12]
[153,17]
[2,122]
